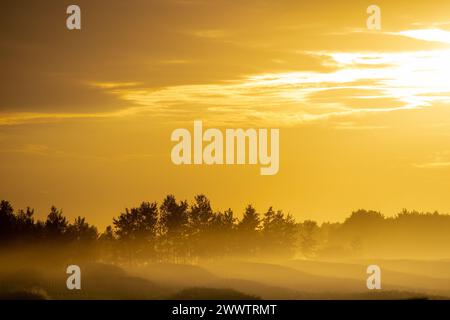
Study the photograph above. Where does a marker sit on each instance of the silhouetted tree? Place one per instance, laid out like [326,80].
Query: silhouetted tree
[7,221]
[107,244]
[174,228]
[200,222]
[173,217]
[250,221]
[201,213]
[177,232]
[366,219]
[222,234]
[223,221]
[81,231]
[56,224]
[137,228]
[108,235]
[308,243]
[26,229]
[248,231]
[279,233]
[138,223]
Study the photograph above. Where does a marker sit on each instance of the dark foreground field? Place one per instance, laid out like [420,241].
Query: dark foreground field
[294,279]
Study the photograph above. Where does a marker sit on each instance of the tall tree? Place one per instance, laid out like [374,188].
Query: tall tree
[174,228]
[222,235]
[308,241]
[107,243]
[138,223]
[250,221]
[25,224]
[249,231]
[56,224]
[82,231]
[201,213]
[7,220]
[279,233]
[137,229]
[173,217]
[200,225]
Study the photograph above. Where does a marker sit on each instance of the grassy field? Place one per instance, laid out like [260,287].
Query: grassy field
[294,279]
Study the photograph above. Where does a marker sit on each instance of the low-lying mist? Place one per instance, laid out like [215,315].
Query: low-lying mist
[177,250]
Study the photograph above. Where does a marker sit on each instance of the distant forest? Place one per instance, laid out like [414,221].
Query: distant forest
[182,232]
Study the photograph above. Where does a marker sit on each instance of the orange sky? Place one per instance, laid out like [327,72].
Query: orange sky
[364,117]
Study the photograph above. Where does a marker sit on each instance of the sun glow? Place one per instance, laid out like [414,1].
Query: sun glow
[404,80]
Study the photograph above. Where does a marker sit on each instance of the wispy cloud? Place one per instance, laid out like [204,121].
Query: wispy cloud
[351,125]
[209,33]
[41,150]
[438,160]
[433,35]
[359,83]
[114,85]
[14,118]
[363,82]
[435,164]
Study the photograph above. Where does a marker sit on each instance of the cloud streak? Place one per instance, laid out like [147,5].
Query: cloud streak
[432,35]
[359,83]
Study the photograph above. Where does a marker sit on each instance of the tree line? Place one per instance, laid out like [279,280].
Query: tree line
[182,232]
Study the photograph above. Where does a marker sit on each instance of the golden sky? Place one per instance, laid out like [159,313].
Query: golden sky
[364,116]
